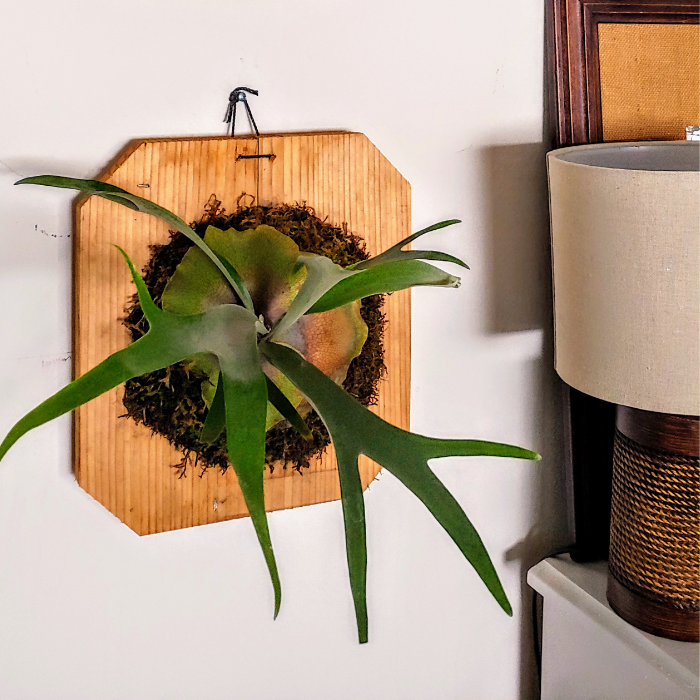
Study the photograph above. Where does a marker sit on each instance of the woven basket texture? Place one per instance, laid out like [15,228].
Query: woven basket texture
[654,527]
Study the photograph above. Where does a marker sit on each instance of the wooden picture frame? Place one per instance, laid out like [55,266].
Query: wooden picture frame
[573,61]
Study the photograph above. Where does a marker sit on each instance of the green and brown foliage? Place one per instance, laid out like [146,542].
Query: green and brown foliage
[246,309]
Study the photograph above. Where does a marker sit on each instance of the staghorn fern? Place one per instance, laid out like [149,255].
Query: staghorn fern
[274,331]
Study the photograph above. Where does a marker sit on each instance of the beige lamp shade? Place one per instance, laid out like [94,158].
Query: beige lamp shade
[625,255]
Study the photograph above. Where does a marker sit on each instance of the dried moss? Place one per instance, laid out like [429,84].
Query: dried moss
[170,402]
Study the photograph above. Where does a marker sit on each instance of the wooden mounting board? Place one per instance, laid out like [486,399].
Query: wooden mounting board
[343,177]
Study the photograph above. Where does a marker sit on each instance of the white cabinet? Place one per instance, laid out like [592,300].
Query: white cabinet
[589,653]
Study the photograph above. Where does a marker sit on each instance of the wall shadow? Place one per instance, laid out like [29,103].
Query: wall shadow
[519,289]
[519,297]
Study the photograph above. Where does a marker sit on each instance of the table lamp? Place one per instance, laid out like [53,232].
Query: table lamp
[625,224]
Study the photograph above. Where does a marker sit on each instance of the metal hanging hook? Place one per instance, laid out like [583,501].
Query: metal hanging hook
[236,96]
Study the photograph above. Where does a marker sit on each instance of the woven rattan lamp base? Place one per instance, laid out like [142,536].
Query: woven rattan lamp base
[654,580]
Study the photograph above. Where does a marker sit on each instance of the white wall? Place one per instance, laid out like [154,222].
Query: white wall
[451,92]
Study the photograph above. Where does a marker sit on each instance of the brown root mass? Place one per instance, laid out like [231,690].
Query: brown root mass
[170,402]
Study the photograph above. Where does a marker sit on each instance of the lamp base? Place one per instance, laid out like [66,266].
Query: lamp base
[652,616]
[654,580]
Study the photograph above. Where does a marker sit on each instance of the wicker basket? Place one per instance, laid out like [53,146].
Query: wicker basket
[655,539]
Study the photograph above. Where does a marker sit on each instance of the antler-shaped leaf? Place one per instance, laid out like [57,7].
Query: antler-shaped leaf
[390,271]
[287,410]
[355,431]
[215,421]
[329,286]
[227,331]
[387,277]
[395,252]
[322,274]
[120,196]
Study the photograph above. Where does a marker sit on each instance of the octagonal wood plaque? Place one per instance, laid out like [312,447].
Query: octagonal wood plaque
[344,178]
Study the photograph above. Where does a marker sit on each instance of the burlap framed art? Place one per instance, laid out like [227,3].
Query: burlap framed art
[622,70]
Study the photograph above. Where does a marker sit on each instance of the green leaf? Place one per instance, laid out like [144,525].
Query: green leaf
[165,344]
[380,279]
[265,259]
[207,365]
[321,275]
[355,531]
[328,286]
[395,252]
[120,196]
[196,286]
[245,396]
[267,262]
[215,422]
[145,355]
[287,409]
[355,431]
[228,332]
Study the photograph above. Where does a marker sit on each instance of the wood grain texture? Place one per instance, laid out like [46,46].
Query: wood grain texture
[343,177]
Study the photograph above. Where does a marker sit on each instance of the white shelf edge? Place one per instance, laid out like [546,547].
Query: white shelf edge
[554,575]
